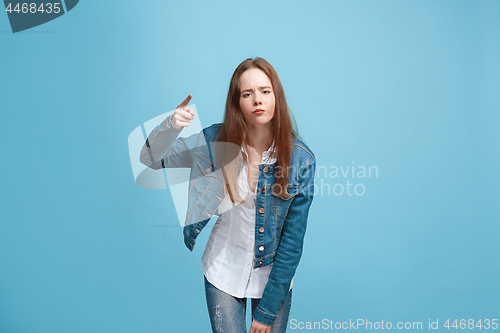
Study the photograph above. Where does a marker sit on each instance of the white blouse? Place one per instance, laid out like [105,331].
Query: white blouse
[228,259]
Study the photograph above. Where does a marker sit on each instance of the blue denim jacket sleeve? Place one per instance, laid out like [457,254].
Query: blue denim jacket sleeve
[289,250]
[163,148]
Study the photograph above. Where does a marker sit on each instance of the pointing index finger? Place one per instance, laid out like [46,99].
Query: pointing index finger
[185,102]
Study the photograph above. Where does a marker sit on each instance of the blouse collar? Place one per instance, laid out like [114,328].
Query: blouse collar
[265,155]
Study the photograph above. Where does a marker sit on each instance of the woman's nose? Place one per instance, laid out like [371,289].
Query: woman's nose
[257,100]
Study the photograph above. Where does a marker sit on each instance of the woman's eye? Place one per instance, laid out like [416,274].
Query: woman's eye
[246,95]
[266,91]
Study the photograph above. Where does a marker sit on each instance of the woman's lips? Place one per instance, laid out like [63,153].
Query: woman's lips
[258,111]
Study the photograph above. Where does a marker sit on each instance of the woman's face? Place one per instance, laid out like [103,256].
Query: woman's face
[256,95]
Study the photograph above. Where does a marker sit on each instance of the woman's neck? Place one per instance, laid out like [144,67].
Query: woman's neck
[261,137]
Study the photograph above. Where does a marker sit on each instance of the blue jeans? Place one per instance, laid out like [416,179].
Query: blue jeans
[227,313]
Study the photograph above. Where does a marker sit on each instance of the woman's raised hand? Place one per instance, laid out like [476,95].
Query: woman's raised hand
[182,115]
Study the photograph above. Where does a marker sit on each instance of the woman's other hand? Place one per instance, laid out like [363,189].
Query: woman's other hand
[259,327]
[182,115]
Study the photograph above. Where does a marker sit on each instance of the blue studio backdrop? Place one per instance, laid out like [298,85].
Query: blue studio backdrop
[399,101]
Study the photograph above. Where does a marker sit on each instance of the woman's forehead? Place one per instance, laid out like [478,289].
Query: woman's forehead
[254,76]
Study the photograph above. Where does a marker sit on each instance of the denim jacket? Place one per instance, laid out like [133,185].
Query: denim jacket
[281,221]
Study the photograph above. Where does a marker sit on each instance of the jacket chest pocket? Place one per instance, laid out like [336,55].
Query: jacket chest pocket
[202,175]
[281,203]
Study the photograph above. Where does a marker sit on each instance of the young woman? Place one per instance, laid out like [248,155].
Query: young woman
[262,199]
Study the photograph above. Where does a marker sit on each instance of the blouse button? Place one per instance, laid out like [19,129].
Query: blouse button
[260,263]
[261,248]
[207,170]
[266,169]
[263,189]
[261,229]
[286,194]
[261,210]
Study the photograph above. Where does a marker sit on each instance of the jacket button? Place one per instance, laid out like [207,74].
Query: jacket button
[266,169]
[260,263]
[261,248]
[263,189]
[261,229]
[207,170]
[261,210]
[286,194]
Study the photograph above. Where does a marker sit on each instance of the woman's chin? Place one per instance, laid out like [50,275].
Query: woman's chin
[259,122]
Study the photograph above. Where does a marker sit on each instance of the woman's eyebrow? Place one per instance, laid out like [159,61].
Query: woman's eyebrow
[263,87]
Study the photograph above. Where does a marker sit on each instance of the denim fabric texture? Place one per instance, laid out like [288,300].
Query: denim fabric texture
[227,313]
[280,221]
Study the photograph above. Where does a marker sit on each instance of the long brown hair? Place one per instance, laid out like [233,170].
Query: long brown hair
[234,129]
